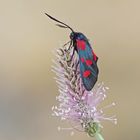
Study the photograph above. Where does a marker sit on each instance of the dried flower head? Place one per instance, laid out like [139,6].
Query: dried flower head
[77,105]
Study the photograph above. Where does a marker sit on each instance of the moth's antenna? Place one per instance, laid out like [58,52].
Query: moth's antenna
[66,26]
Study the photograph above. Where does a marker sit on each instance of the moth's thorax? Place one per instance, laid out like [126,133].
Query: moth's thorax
[77,36]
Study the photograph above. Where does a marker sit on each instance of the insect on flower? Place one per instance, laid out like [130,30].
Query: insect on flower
[87,58]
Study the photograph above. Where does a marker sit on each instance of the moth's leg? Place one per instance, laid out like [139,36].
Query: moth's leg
[69,45]
[75,69]
[71,56]
[77,65]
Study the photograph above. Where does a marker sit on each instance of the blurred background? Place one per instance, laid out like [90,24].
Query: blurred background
[27,87]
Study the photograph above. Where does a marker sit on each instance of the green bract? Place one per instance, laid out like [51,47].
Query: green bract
[92,128]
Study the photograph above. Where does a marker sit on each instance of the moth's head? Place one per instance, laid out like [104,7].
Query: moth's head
[72,35]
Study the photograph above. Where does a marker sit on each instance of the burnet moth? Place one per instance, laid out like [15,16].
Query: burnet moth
[87,58]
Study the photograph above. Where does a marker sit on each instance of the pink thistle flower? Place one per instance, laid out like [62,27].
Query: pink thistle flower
[77,105]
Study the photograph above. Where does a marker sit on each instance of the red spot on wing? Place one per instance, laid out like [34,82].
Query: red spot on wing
[94,55]
[89,62]
[86,73]
[81,44]
[82,60]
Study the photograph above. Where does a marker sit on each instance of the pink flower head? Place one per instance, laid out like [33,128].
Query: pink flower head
[77,105]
